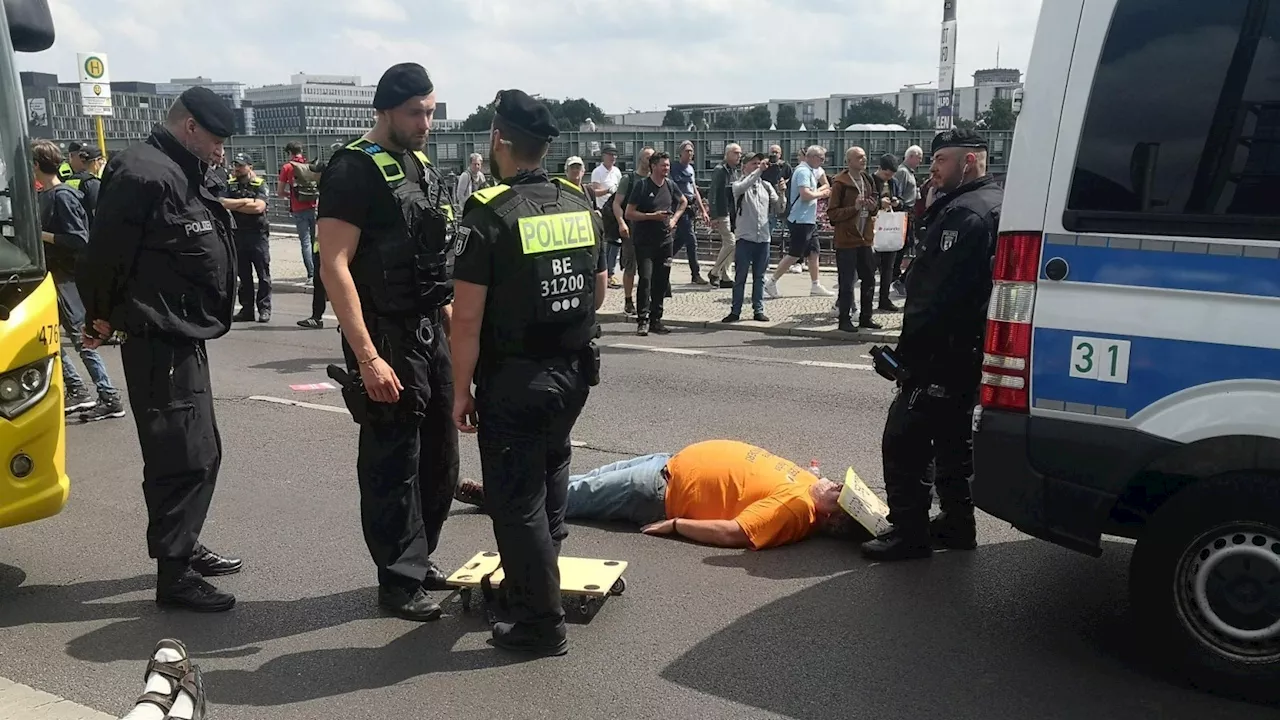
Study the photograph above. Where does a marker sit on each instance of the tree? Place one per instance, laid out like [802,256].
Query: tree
[730,120]
[873,110]
[964,124]
[787,119]
[920,122]
[818,123]
[998,115]
[697,118]
[480,120]
[675,118]
[757,118]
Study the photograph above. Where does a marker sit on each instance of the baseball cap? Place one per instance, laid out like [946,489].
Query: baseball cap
[242,159]
[90,152]
[575,160]
[609,150]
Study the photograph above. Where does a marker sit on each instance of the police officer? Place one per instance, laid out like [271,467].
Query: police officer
[86,168]
[940,348]
[161,266]
[246,198]
[65,171]
[529,274]
[385,224]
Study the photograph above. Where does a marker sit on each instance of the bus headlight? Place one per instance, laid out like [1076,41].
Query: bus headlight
[24,387]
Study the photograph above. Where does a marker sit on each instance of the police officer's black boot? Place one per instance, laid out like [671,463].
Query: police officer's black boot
[954,531]
[540,640]
[177,586]
[899,544]
[415,606]
[210,564]
[245,315]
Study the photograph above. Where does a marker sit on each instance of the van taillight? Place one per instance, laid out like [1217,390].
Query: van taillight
[1006,361]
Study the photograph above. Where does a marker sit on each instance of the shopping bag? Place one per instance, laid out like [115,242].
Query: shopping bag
[891,232]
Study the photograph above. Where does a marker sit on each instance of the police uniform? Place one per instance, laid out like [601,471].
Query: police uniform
[87,183]
[940,346]
[408,451]
[161,266]
[253,251]
[535,244]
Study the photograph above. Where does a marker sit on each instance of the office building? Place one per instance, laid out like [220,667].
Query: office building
[316,104]
[53,109]
[231,92]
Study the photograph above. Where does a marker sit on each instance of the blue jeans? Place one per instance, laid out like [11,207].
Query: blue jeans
[632,490]
[71,317]
[755,255]
[611,252]
[305,221]
[687,240]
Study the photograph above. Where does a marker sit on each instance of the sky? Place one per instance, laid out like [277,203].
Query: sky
[619,54]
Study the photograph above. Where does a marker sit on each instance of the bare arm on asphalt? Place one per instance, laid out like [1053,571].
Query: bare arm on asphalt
[716,533]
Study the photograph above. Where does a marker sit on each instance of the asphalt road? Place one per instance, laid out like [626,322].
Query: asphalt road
[1018,629]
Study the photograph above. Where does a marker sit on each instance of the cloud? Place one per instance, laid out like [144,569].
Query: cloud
[645,55]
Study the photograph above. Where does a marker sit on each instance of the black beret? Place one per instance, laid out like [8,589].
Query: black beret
[75,146]
[210,111]
[526,114]
[399,83]
[958,138]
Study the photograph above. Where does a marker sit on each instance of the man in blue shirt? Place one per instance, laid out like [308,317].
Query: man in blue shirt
[682,174]
[802,222]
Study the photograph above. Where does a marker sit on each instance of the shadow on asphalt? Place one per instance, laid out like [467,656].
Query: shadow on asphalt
[1015,630]
[792,561]
[426,648]
[296,366]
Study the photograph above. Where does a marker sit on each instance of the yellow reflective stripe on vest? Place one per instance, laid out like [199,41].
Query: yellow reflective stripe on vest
[256,181]
[570,184]
[561,231]
[65,171]
[73,183]
[486,195]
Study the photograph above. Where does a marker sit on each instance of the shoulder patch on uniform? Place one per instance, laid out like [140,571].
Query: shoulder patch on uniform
[949,238]
[460,239]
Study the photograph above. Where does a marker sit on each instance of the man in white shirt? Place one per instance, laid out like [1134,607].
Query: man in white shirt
[470,181]
[606,176]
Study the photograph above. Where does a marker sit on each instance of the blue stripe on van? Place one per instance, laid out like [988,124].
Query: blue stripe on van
[1157,368]
[1199,271]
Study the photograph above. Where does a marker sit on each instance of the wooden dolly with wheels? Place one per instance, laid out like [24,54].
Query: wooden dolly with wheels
[585,583]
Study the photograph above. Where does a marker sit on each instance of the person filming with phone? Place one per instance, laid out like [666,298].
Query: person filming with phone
[654,207]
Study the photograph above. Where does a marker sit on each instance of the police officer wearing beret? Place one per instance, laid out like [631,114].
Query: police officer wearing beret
[384,228]
[948,287]
[161,266]
[529,274]
[246,198]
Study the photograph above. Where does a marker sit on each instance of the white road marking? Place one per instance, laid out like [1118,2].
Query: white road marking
[731,356]
[19,702]
[332,409]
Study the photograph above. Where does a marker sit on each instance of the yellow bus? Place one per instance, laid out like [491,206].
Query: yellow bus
[33,478]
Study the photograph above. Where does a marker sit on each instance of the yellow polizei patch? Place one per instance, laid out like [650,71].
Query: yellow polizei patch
[561,231]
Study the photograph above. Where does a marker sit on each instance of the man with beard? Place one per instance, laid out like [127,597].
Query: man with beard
[385,226]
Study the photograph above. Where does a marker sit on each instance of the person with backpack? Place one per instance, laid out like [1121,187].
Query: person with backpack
[65,230]
[300,182]
[615,224]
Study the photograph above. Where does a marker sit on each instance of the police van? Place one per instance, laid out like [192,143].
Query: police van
[1131,381]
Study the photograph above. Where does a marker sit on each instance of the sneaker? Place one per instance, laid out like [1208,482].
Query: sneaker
[264,316]
[308,282]
[470,492]
[771,288]
[642,328]
[698,280]
[614,283]
[713,279]
[107,408]
[311,324]
[796,269]
[77,399]
[731,318]
[657,328]
[760,317]
[192,592]
[899,288]
[870,324]
[629,307]
[835,310]
[818,291]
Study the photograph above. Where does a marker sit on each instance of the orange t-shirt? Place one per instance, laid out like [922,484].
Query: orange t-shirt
[729,480]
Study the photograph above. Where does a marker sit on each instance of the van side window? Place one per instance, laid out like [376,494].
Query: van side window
[1182,131]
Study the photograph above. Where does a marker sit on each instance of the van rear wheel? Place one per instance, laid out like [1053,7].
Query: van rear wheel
[1204,582]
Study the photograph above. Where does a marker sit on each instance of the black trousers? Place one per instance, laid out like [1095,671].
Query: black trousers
[253,256]
[885,262]
[318,296]
[527,410]
[853,264]
[920,429]
[408,454]
[172,404]
[653,270]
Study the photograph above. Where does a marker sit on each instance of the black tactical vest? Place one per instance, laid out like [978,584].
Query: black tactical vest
[542,301]
[247,223]
[404,272]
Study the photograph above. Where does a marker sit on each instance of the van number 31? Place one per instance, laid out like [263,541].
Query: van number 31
[1100,359]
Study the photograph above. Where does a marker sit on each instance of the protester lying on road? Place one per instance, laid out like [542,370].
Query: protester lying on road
[719,492]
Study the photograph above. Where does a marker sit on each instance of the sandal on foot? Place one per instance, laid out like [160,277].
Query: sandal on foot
[192,684]
[174,671]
